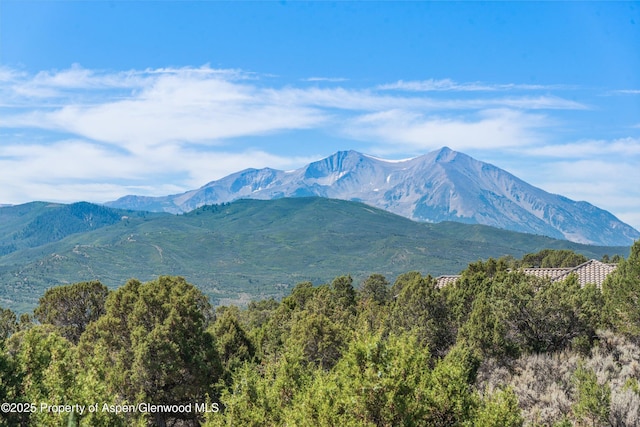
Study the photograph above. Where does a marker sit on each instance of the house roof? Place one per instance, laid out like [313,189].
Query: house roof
[550,273]
[592,271]
[447,279]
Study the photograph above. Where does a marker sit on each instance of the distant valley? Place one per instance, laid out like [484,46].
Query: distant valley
[240,251]
[443,185]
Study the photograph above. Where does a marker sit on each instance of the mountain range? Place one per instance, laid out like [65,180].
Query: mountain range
[443,185]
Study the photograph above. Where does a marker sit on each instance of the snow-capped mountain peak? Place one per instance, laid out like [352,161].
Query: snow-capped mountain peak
[444,185]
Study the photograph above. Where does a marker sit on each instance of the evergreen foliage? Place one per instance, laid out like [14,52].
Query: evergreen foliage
[238,252]
[153,345]
[376,289]
[621,291]
[552,258]
[57,223]
[593,399]
[71,308]
[8,323]
[421,307]
[497,348]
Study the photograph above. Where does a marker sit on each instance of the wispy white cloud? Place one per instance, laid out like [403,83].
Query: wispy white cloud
[97,135]
[203,105]
[72,170]
[604,179]
[54,84]
[78,83]
[370,100]
[325,79]
[627,91]
[441,85]
[621,148]
[487,129]
[175,106]
[9,74]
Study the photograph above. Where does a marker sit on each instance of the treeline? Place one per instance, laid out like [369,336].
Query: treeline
[497,348]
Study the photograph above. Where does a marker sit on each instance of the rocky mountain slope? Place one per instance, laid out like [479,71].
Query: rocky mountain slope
[443,185]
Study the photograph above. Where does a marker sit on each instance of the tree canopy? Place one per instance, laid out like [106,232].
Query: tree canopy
[495,348]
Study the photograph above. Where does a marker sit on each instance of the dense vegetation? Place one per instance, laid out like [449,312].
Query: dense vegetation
[498,348]
[238,252]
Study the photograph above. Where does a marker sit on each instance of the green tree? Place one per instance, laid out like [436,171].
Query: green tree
[247,403]
[544,316]
[10,388]
[299,296]
[378,382]
[499,409]
[372,317]
[270,337]
[477,279]
[451,399]
[375,288]
[616,259]
[343,294]
[593,401]
[553,258]
[486,331]
[233,344]
[621,291]
[320,339]
[403,280]
[421,308]
[45,367]
[322,328]
[258,313]
[152,345]
[373,305]
[260,397]
[71,308]
[8,323]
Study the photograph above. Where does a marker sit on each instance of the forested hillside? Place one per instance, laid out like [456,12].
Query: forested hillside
[497,348]
[238,252]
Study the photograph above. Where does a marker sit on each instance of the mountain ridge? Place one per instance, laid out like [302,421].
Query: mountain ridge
[443,185]
[247,249]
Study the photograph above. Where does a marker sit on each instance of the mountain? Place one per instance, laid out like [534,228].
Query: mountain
[245,250]
[37,223]
[443,185]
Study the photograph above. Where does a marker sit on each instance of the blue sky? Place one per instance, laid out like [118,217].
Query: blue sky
[99,99]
